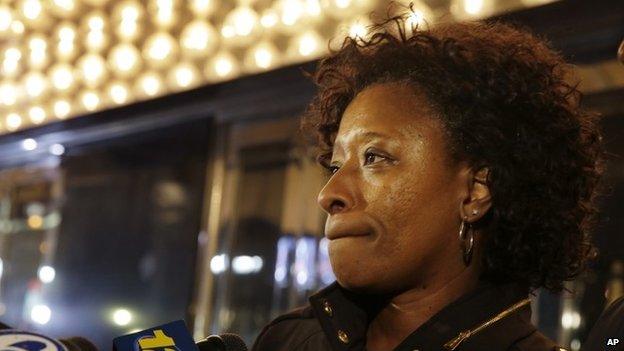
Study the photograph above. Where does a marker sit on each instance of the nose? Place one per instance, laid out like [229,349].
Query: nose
[337,195]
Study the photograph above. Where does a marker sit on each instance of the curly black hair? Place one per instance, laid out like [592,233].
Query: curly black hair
[507,103]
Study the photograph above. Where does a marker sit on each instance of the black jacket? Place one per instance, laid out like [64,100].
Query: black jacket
[608,328]
[336,320]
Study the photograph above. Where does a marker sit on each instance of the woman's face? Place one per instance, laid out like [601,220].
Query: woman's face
[394,198]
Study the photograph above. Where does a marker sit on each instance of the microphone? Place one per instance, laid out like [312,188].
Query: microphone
[223,342]
[17,340]
[78,343]
[173,336]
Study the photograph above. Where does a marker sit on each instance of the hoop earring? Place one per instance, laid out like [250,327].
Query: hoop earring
[466,238]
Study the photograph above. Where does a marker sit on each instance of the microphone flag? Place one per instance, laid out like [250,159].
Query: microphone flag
[16,340]
[173,336]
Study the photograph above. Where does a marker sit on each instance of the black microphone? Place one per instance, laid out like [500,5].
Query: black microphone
[78,343]
[223,342]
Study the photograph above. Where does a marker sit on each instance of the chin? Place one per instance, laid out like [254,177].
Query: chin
[359,278]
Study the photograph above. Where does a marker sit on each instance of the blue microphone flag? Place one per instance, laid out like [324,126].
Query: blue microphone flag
[173,336]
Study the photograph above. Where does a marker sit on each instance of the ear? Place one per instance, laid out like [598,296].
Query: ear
[479,199]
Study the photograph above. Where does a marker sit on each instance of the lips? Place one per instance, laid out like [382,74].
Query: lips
[347,225]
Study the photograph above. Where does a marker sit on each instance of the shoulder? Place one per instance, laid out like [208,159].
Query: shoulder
[296,330]
[536,341]
[610,325]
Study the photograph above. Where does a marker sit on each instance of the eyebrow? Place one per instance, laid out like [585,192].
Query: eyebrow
[370,135]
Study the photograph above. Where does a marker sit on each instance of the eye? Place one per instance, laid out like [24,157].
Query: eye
[332,169]
[371,158]
[324,160]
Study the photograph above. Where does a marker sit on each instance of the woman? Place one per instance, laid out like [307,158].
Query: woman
[463,173]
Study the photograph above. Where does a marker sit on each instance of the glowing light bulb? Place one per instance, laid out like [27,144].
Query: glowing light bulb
[90,100]
[8,95]
[307,44]
[62,76]
[92,68]
[122,317]
[222,66]
[125,60]
[118,92]
[17,27]
[203,8]
[61,108]
[11,62]
[419,18]
[198,39]
[30,144]
[313,8]
[241,24]
[160,49]
[13,53]
[471,9]
[291,11]
[37,114]
[128,30]
[31,9]
[149,84]
[127,15]
[357,28]
[38,47]
[66,31]
[94,21]
[473,6]
[262,56]
[13,121]
[96,41]
[343,4]
[35,84]
[10,68]
[269,18]
[40,314]
[130,11]
[46,274]
[66,50]
[164,12]
[57,149]
[184,75]
[64,8]
[6,18]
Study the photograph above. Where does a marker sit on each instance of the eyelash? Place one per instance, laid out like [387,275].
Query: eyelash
[333,169]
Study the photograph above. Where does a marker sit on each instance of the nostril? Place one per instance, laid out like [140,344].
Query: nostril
[336,206]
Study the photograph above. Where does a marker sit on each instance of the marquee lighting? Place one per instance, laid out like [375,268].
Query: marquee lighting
[64,58]
[471,9]
[198,39]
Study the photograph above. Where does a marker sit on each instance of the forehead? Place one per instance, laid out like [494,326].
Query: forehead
[389,109]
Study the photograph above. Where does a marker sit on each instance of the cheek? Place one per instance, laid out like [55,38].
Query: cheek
[418,216]
[414,212]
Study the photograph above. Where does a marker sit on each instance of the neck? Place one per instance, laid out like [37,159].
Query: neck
[407,311]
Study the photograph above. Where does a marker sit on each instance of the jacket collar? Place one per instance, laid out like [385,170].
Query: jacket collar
[344,317]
